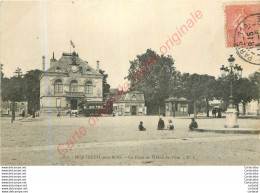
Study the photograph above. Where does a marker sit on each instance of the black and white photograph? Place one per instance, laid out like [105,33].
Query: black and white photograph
[130,83]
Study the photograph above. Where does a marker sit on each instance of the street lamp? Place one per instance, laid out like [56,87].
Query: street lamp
[234,72]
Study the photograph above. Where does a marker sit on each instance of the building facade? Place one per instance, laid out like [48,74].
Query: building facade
[68,82]
[6,109]
[176,107]
[131,103]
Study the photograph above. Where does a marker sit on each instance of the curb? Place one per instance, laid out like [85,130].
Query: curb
[229,131]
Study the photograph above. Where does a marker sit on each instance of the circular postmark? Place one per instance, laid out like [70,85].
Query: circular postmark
[247,39]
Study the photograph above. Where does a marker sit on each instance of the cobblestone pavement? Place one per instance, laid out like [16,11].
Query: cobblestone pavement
[117,141]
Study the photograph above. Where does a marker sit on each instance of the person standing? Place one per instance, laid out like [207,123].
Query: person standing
[23,113]
[13,112]
[214,113]
[160,124]
[33,113]
[58,114]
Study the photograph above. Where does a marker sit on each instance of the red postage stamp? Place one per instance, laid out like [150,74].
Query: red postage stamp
[242,25]
[243,31]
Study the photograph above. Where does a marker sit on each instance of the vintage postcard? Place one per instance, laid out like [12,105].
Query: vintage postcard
[130,82]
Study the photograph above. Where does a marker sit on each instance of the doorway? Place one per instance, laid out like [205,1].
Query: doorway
[74,104]
[133,110]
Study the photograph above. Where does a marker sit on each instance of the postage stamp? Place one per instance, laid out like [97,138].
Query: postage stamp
[242,31]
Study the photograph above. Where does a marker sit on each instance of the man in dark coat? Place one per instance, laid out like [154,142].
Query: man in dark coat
[141,127]
[160,124]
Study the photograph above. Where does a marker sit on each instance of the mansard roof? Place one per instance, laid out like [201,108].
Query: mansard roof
[68,60]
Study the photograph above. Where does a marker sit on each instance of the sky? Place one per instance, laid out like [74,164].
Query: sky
[114,32]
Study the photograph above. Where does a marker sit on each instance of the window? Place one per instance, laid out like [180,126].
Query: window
[58,102]
[58,87]
[127,108]
[58,69]
[89,87]
[133,97]
[73,86]
[88,71]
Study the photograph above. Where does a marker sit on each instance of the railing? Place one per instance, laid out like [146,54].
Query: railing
[74,94]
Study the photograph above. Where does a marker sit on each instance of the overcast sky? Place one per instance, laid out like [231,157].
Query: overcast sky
[114,32]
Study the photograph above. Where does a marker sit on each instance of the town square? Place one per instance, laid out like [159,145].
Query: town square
[26,142]
[84,89]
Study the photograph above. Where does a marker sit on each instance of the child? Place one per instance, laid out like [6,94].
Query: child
[193,125]
[170,126]
[141,127]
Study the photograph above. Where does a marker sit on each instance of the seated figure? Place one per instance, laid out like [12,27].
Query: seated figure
[141,127]
[193,125]
[170,126]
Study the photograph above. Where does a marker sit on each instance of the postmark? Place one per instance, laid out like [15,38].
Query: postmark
[247,39]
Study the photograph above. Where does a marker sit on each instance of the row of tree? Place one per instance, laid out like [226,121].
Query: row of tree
[164,81]
[22,87]
[159,83]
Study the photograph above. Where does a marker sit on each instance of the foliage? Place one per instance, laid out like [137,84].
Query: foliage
[154,81]
[106,86]
[31,89]
[197,88]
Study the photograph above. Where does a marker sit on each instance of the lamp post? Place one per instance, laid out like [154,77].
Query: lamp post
[234,72]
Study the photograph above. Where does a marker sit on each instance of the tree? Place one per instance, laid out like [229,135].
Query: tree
[255,79]
[13,89]
[246,92]
[197,89]
[1,71]
[31,89]
[152,75]
[18,72]
[106,86]
[209,89]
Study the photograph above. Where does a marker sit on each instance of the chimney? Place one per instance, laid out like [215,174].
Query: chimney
[43,63]
[97,65]
[52,60]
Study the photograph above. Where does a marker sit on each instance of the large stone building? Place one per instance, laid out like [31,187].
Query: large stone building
[67,82]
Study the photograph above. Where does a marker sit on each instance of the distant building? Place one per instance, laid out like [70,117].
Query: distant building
[132,103]
[176,107]
[18,108]
[68,82]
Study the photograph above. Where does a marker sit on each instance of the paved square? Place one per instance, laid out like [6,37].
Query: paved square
[117,141]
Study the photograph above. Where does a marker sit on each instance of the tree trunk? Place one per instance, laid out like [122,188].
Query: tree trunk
[195,109]
[244,108]
[237,105]
[207,107]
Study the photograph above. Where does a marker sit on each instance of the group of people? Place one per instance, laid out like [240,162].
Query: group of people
[161,126]
[216,111]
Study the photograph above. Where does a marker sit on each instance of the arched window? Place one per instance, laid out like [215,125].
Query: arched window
[88,87]
[88,71]
[133,97]
[58,69]
[58,87]
[73,86]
